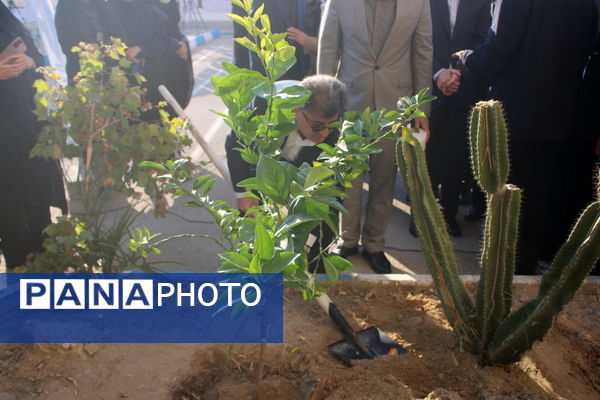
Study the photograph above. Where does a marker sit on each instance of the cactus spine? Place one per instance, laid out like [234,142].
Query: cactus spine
[571,265]
[494,292]
[438,250]
[499,336]
[489,146]
[489,156]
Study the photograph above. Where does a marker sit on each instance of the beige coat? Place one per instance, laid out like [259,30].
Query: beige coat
[403,66]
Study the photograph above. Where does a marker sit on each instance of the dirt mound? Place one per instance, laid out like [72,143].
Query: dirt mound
[565,366]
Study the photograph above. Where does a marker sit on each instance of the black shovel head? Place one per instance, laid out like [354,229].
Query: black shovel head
[373,339]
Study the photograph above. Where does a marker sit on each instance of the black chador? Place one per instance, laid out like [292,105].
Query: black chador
[147,29]
[27,186]
[179,76]
[89,21]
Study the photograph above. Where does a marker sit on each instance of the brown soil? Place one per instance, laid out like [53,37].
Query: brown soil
[566,365]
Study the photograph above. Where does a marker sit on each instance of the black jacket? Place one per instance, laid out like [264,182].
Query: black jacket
[536,61]
[240,170]
[470,30]
[284,14]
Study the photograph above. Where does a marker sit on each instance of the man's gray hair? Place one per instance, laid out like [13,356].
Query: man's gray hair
[328,95]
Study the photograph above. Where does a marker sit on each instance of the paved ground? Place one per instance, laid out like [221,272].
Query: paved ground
[202,254]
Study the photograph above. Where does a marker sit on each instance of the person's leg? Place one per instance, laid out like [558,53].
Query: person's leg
[478,202]
[22,235]
[382,180]
[324,238]
[533,169]
[351,218]
[455,165]
[13,242]
[520,175]
[448,159]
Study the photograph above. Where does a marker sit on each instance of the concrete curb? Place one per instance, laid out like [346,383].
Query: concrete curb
[203,38]
[427,279]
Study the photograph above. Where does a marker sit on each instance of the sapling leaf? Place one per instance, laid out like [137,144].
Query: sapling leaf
[272,179]
[340,263]
[263,243]
[317,174]
[247,43]
[280,262]
[154,165]
[330,269]
[200,181]
[293,221]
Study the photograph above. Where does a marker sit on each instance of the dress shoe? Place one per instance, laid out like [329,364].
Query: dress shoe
[346,252]
[454,228]
[412,228]
[378,262]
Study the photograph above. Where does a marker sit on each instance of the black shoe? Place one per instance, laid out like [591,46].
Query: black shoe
[412,228]
[454,228]
[345,252]
[378,262]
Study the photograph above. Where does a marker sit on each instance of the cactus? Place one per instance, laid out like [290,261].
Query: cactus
[439,253]
[568,270]
[489,327]
[489,146]
[494,292]
[489,156]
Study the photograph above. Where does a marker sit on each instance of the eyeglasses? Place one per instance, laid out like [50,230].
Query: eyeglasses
[316,126]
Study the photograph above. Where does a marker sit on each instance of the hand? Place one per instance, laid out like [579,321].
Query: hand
[297,35]
[133,52]
[448,81]
[246,203]
[13,66]
[27,61]
[182,51]
[422,123]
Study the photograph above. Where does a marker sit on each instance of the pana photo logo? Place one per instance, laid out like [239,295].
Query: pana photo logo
[134,294]
[141,308]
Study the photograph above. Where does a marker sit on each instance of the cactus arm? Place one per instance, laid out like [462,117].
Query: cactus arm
[512,233]
[434,238]
[531,322]
[501,159]
[474,128]
[489,145]
[494,292]
[489,297]
[565,254]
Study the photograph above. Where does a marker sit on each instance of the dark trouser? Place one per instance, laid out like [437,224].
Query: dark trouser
[21,234]
[325,238]
[576,182]
[448,155]
[534,167]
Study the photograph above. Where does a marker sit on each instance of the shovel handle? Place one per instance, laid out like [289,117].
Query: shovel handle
[336,315]
[324,301]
